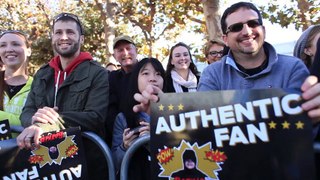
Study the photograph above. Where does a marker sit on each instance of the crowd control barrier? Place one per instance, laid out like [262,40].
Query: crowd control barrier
[316,147]
[105,150]
[16,129]
[129,153]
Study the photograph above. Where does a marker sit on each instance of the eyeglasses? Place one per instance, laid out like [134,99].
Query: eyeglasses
[216,53]
[237,27]
[14,32]
[69,15]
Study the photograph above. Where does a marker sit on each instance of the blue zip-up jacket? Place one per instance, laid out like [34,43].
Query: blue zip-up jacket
[282,72]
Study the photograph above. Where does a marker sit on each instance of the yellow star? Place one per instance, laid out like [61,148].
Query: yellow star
[180,107]
[170,107]
[299,125]
[285,125]
[272,125]
[161,107]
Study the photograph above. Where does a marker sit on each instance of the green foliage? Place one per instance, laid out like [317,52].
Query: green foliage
[301,13]
[158,20]
[154,25]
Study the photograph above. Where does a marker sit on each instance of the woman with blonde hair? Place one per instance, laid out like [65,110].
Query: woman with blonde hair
[15,83]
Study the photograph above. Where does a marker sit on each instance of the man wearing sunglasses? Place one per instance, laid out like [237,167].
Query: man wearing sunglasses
[70,91]
[252,63]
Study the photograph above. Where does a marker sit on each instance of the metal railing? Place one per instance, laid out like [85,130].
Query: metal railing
[129,153]
[105,150]
[316,147]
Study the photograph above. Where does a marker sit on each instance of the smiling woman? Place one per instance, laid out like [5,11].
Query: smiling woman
[14,81]
[181,74]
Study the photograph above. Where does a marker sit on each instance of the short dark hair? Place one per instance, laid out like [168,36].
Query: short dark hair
[68,17]
[234,8]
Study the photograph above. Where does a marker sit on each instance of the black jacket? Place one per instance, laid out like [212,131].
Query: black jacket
[118,84]
[82,100]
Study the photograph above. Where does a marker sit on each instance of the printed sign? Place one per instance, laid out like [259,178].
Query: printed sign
[60,156]
[5,132]
[235,134]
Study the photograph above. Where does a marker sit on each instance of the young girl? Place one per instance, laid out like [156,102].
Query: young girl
[15,83]
[181,74]
[148,72]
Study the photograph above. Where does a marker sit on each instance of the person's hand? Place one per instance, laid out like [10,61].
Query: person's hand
[128,137]
[29,136]
[145,129]
[46,115]
[311,94]
[150,94]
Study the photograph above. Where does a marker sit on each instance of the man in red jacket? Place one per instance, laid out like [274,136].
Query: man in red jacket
[70,91]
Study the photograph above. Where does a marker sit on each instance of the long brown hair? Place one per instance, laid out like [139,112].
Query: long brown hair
[192,66]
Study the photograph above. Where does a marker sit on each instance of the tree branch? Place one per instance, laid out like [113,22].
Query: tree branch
[195,19]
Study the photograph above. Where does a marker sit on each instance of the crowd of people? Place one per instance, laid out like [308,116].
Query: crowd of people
[73,90]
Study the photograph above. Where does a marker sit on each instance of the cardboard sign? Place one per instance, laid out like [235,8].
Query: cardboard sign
[235,134]
[60,156]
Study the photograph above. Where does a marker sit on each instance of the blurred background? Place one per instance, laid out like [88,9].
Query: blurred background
[154,25]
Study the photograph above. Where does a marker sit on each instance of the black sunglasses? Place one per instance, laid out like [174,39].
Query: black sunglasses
[237,27]
[216,53]
[69,15]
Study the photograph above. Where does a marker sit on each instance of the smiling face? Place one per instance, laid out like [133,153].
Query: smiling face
[249,40]
[66,38]
[126,54]
[148,75]
[215,53]
[180,58]
[14,50]
[189,164]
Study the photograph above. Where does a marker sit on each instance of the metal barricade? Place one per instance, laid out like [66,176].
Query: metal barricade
[16,129]
[129,153]
[105,150]
[316,147]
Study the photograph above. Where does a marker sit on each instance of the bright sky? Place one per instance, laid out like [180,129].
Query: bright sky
[275,34]
[282,38]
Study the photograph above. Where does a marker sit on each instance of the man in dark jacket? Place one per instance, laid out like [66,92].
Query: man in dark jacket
[70,91]
[125,52]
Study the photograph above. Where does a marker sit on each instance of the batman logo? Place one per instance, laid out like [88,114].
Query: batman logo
[44,155]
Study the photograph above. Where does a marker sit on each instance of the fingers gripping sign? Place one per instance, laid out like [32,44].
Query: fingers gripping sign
[29,137]
[311,95]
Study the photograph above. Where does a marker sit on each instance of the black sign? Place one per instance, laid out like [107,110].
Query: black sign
[241,134]
[5,132]
[60,156]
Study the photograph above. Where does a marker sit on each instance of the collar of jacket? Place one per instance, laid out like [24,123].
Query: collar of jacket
[79,73]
